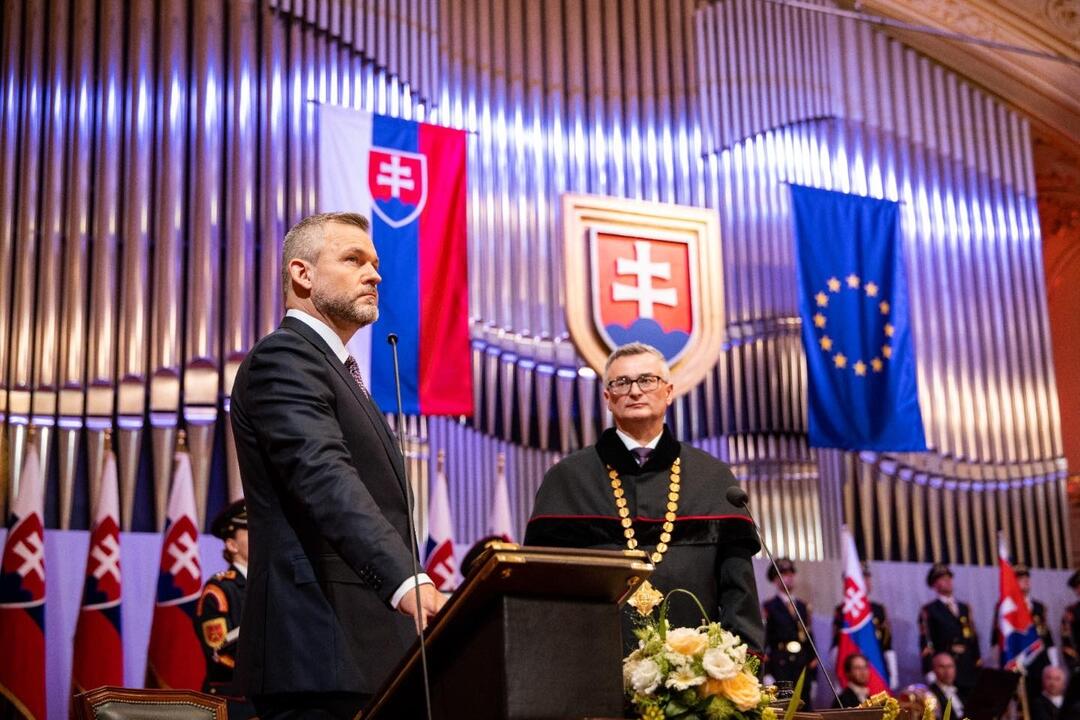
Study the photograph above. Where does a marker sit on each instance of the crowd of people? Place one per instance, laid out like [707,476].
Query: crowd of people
[948,646]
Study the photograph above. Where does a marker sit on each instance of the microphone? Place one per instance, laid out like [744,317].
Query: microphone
[410,505]
[738,497]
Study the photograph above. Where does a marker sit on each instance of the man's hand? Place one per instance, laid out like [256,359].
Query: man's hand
[431,601]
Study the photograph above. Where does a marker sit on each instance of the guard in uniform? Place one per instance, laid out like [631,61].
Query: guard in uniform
[945,625]
[217,616]
[1070,628]
[787,649]
[882,630]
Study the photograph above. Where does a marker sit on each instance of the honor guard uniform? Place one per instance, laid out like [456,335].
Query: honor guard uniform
[1047,654]
[1070,628]
[787,648]
[217,615]
[945,625]
[882,630]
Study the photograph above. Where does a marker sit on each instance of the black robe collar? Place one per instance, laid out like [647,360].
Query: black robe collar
[613,452]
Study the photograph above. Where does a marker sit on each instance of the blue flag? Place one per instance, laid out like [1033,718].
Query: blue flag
[860,362]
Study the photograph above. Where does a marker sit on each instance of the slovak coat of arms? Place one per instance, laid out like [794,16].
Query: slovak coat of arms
[649,272]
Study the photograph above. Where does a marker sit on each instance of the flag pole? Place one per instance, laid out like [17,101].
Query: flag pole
[1021,689]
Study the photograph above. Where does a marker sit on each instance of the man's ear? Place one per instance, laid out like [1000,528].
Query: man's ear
[300,273]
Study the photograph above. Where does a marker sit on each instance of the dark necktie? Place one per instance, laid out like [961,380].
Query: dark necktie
[641,454]
[354,370]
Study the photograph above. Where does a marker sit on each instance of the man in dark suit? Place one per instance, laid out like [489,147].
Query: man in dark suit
[331,597]
[857,690]
[944,686]
[1049,703]
[945,625]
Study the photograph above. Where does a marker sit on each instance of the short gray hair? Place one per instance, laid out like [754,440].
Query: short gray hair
[636,348]
[305,239]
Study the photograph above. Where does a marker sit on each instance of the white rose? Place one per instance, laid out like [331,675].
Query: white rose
[645,677]
[687,641]
[718,664]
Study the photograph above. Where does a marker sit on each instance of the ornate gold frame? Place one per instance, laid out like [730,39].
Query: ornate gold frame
[699,226]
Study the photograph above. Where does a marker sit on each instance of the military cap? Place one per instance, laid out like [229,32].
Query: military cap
[229,520]
[937,570]
[1021,570]
[784,564]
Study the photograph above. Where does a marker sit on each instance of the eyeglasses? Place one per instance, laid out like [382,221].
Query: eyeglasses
[646,383]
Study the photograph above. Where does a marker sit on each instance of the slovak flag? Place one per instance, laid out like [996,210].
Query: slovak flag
[22,599]
[409,178]
[502,523]
[175,659]
[857,634]
[440,563]
[1020,641]
[98,658]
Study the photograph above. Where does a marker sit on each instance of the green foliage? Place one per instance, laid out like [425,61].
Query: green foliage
[793,704]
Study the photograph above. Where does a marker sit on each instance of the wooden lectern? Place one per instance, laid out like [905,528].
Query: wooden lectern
[532,633]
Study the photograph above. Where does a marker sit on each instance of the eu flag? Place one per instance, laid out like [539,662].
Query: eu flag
[860,362]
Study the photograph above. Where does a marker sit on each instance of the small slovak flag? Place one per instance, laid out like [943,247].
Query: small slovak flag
[22,599]
[175,659]
[502,523]
[1020,641]
[857,633]
[440,563]
[98,658]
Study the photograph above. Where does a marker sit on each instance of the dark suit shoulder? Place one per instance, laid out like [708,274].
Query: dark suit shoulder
[291,340]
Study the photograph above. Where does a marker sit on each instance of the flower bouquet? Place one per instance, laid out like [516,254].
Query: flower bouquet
[704,673]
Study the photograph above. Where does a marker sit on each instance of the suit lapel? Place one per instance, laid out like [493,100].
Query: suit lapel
[368,405]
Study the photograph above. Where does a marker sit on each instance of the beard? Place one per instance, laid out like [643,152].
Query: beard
[342,307]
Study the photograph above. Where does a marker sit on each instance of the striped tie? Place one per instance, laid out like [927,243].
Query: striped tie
[354,370]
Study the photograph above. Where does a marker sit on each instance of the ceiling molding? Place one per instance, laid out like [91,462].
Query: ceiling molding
[1042,89]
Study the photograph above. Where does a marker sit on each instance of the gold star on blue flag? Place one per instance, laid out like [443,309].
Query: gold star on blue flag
[862,392]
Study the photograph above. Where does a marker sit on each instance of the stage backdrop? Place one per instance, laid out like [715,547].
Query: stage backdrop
[153,154]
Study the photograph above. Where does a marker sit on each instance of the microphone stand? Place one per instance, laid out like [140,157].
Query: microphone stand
[392,338]
[738,497]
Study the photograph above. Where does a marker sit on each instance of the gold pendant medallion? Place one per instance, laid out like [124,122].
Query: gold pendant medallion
[645,598]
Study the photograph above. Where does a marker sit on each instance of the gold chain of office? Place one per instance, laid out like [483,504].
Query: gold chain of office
[669,517]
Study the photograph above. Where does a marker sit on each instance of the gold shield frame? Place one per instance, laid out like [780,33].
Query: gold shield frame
[698,227]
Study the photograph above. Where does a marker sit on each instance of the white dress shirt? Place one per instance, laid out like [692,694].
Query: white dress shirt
[950,694]
[631,443]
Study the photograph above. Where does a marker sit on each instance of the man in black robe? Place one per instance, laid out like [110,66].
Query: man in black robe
[640,487]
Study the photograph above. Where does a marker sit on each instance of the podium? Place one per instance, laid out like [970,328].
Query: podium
[532,633]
